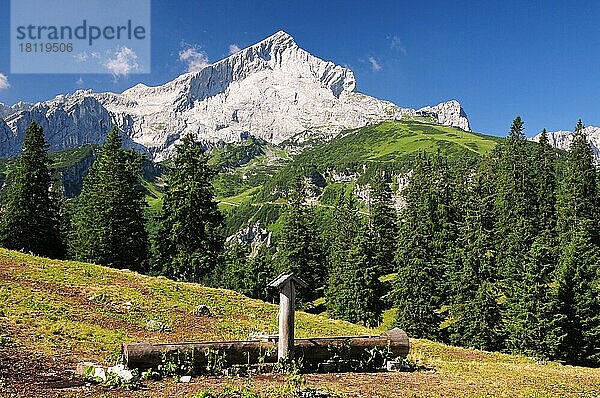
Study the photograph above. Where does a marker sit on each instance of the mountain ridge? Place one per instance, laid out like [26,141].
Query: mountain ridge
[272,89]
[562,139]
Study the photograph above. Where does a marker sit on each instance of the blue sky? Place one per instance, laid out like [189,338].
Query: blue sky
[537,59]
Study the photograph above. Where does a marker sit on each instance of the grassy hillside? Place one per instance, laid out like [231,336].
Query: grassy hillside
[56,313]
[362,153]
[99,308]
[391,141]
[389,145]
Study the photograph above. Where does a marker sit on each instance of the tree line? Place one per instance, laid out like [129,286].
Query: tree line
[504,255]
[498,254]
[106,223]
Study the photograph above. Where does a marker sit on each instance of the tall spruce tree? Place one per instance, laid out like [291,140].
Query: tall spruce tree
[246,274]
[475,315]
[529,311]
[425,253]
[576,298]
[299,249]
[30,219]
[353,292]
[108,224]
[190,240]
[545,180]
[577,199]
[345,225]
[515,205]
[383,226]
[517,223]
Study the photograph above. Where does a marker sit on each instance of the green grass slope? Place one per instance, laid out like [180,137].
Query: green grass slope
[62,307]
[391,141]
[390,147]
[62,312]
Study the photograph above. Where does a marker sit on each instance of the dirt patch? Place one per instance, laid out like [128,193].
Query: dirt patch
[26,374]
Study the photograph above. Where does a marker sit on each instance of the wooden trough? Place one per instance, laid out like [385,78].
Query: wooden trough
[144,356]
[284,347]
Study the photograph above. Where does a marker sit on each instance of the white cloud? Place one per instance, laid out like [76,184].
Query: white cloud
[195,58]
[123,63]
[396,44]
[4,84]
[374,64]
[234,48]
[81,57]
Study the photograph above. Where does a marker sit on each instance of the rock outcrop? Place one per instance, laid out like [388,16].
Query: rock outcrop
[450,113]
[6,110]
[562,139]
[69,121]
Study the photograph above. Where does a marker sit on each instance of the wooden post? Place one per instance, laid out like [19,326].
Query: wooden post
[286,283]
[287,301]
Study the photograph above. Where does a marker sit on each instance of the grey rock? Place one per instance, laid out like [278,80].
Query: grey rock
[449,113]
[394,366]
[203,310]
[156,326]
[82,367]
[562,139]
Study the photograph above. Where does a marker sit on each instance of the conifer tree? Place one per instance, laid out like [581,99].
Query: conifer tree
[515,214]
[475,315]
[30,219]
[517,227]
[190,239]
[577,199]
[383,226]
[353,292]
[299,249]
[259,273]
[427,231]
[108,224]
[576,298]
[545,181]
[247,275]
[345,226]
[529,311]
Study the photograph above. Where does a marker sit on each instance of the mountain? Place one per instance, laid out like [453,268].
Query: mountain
[6,110]
[562,139]
[273,90]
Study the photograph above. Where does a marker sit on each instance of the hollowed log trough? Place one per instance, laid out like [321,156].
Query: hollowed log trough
[312,350]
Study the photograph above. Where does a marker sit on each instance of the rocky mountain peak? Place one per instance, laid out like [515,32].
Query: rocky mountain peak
[273,90]
[281,38]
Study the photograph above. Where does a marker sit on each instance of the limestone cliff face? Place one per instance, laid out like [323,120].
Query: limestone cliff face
[273,90]
[69,121]
[450,113]
[6,110]
[562,139]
